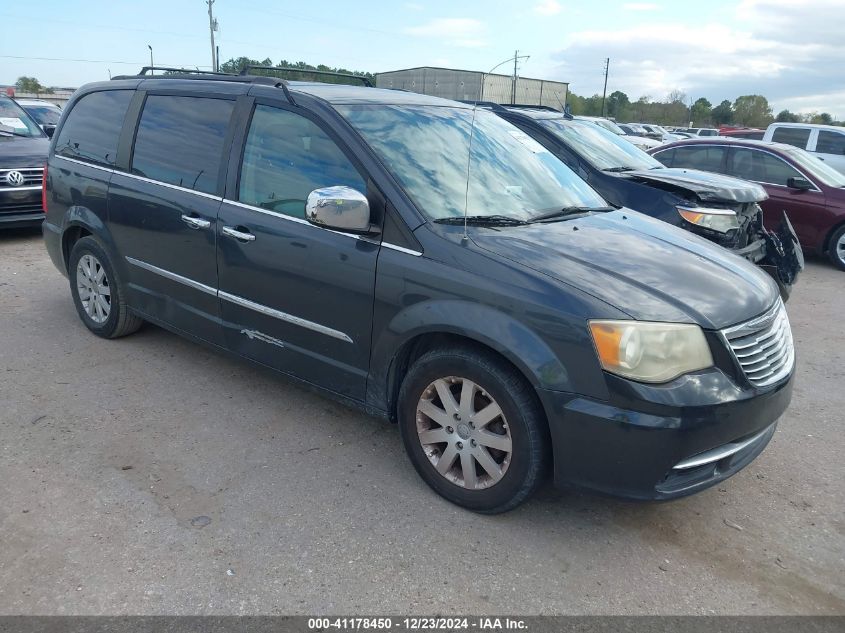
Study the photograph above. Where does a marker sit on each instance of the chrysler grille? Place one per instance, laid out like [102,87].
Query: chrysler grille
[763,346]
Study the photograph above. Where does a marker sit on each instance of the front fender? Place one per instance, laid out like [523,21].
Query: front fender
[478,322]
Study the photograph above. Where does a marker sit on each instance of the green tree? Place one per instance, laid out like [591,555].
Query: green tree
[785,116]
[824,119]
[753,111]
[722,114]
[700,112]
[31,85]
[618,105]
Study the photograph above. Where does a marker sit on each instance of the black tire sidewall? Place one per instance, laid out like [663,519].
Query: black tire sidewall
[831,251]
[520,411]
[90,246]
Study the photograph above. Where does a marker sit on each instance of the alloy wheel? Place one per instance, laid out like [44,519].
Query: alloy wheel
[464,433]
[839,248]
[92,284]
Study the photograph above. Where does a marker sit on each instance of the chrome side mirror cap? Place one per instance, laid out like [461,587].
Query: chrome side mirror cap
[339,208]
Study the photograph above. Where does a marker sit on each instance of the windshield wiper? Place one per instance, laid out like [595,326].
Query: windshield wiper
[483,220]
[567,211]
[615,169]
[12,132]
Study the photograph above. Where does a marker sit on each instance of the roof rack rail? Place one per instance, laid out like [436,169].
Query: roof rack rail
[529,106]
[484,104]
[326,73]
[187,73]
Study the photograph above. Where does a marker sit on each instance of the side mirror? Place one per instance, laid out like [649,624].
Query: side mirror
[801,184]
[340,208]
[49,130]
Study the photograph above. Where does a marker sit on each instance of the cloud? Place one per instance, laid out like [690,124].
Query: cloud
[461,32]
[640,6]
[548,7]
[789,52]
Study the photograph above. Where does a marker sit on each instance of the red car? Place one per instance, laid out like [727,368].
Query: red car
[809,191]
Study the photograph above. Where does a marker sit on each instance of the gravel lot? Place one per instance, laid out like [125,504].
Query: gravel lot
[110,451]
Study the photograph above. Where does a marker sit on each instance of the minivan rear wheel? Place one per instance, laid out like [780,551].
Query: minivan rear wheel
[97,292]
[473,429]
[836,250]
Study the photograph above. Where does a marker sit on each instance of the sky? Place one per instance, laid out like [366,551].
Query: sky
[790,51]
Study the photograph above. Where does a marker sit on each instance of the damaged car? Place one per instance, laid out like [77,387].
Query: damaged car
[723,209]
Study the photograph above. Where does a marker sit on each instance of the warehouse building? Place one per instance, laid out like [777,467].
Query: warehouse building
[466,85]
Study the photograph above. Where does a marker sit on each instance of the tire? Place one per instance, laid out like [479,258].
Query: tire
[97,292]
[480,474]
[836,248]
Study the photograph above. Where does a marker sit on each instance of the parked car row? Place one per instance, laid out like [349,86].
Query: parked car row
[433,263]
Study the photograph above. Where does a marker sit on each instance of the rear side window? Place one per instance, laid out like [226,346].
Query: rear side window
[797,136]
[180,140]
[701,157]
[830,143]
[93,127]
[286,157]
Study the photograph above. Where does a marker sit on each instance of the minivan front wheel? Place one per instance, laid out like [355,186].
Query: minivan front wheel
[836,250]
[473,429]
[97,293]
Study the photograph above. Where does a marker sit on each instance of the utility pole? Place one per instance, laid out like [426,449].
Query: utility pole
[152,72]
[212,26]
[604,93]
[513,81]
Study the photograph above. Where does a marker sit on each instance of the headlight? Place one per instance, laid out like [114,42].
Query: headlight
[650,352]
[721,220]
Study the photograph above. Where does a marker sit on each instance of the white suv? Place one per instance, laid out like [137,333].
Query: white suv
[825,141]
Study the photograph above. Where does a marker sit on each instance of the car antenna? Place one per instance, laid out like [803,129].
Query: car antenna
[480,99]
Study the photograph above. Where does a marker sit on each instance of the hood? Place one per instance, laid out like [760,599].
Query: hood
[706,185]
[19,151]
[646,268]
[642,141]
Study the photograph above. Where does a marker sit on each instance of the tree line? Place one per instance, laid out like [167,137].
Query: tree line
[676,109]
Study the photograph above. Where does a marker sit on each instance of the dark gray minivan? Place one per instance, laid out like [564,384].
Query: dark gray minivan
[425,262]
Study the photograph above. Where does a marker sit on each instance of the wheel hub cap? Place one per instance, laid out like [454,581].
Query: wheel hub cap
[92,284]
[474,453]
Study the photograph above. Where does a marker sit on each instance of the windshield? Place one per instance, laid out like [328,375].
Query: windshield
[426,149]
[602,149]
[815,166]
[13,120]
[44,115]
[610,126]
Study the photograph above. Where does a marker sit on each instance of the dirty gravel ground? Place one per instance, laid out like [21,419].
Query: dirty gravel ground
[109,450]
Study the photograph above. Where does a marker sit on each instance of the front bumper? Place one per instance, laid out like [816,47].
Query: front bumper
[20,207]
[660,442]
[778,253]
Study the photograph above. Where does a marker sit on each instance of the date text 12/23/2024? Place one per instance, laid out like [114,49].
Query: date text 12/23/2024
[417,624]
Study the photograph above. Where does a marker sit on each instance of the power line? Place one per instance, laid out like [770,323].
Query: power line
[92,61]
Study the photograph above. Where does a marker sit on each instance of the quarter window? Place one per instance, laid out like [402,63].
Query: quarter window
[830,142]
[701,157]
[797,136]
[286,157]
[180,140]
[93,126]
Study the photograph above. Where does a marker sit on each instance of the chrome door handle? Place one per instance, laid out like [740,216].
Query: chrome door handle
[195,222]
[238,235]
